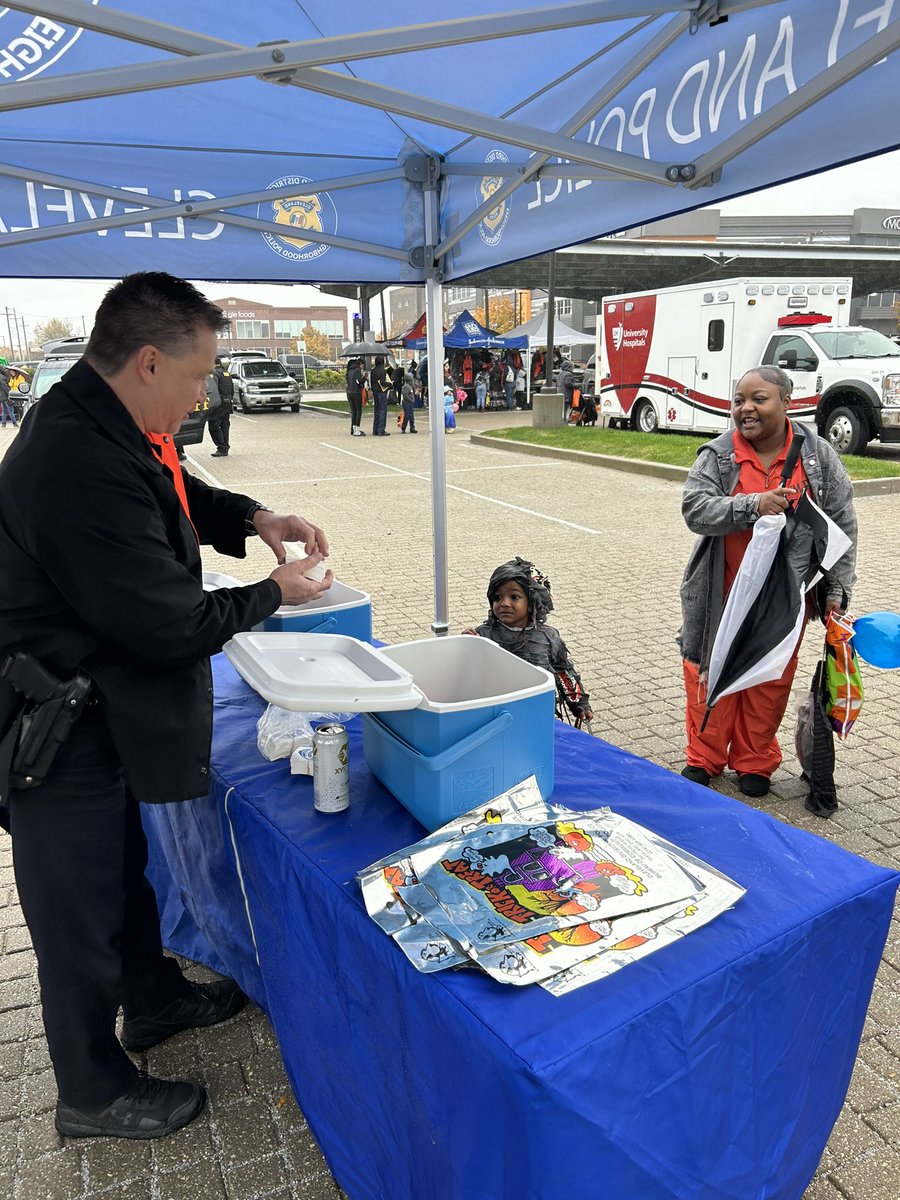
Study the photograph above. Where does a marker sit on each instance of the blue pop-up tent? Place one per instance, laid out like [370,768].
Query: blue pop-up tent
[466,332]
[330,142]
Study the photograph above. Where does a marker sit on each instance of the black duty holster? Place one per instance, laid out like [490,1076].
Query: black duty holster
[37,713]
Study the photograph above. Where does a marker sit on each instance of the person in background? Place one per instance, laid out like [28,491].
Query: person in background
[422,373]
[565,384]
[736,480]
[214,404]
[101,587]
[449,410]
[520,387]
[481,388]
[520,601]
[509,384]
[220,414]
[397,376]
[380,388]
[356,381]
[7,412]
[408,400]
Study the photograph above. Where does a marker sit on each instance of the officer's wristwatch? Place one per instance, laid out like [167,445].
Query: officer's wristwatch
[254,508]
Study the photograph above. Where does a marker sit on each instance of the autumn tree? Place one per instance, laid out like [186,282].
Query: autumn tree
[51,329]
[501,314]
[317,344]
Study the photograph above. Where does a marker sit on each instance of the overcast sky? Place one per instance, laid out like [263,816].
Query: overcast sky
[871,184]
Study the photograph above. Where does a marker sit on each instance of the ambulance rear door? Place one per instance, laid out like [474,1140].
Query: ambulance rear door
[712,395]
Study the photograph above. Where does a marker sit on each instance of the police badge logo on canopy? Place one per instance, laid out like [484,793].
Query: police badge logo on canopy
[492,225]
[313,212]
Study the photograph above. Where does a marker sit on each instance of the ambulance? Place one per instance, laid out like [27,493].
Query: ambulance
[670,359]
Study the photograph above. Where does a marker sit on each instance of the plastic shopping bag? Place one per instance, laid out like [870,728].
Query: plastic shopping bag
[843,683]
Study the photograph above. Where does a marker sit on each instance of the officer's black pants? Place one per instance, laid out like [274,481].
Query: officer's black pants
[79,854]
[220,426]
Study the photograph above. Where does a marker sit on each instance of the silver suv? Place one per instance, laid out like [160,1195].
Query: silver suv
[263,383]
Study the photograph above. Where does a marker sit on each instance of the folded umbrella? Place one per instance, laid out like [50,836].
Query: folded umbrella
[763,617]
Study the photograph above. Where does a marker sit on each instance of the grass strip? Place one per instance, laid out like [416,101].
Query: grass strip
[676,449]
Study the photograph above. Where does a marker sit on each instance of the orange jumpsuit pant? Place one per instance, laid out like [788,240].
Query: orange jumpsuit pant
[741,730]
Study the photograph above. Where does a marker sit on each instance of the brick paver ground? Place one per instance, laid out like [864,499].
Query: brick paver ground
[614,547]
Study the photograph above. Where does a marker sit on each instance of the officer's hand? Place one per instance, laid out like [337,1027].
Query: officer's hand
[275,530]
[295,587]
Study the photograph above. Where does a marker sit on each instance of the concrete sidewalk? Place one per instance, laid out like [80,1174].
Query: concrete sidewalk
[614,546]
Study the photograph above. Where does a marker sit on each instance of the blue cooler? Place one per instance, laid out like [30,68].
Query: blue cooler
[341,609]
[485,723]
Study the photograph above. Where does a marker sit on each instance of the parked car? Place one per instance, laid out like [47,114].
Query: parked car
[294,364]
[61,355]
[263,383]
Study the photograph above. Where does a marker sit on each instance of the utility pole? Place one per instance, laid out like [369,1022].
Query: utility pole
[487,315]
[25,353]
[9,332]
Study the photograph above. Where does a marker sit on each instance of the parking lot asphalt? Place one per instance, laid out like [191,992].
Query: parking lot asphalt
[614,547]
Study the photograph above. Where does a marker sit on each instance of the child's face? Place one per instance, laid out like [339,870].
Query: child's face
[509,605]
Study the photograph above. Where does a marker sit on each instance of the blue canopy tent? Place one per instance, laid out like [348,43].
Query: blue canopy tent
[317,143]
[466,332]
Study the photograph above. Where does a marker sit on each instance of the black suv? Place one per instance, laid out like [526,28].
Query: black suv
[63,354]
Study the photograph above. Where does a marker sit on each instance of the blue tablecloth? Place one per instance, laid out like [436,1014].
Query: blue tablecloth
[714,1069]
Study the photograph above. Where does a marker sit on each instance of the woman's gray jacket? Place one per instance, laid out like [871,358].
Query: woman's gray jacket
[710,510]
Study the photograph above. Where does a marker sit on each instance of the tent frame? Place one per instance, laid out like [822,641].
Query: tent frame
[303,64]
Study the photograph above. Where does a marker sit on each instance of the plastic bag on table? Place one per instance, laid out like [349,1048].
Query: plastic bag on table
[279,732]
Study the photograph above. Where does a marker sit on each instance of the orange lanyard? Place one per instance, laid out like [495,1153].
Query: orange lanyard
[165,450]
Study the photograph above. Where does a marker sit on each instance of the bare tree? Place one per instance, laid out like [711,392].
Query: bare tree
[51,329]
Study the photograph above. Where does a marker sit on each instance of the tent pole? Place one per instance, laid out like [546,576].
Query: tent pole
[434,334]
[551,318]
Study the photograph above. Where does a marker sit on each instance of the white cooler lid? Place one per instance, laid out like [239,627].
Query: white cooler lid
[306,672]
[213,580]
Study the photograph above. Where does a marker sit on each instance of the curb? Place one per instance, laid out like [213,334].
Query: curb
[636,466]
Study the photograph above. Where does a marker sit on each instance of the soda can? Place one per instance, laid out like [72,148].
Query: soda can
[331,768]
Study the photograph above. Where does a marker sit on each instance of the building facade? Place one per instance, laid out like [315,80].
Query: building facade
[274,330]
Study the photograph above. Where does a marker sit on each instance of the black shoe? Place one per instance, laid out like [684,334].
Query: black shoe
[697,775]
[412,431]
[153,1108]
[219,454]
[205,1004]
[754,785]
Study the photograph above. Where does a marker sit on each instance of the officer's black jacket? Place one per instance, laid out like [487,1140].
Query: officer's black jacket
[100,570]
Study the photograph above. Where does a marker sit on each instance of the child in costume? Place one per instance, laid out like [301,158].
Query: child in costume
[449,409]
[520,601]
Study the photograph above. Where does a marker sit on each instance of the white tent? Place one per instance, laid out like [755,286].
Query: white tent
[536,332]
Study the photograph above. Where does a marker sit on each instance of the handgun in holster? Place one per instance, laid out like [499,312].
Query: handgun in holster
[45,711]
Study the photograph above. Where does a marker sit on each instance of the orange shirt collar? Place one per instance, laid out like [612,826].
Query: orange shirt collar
[744,452]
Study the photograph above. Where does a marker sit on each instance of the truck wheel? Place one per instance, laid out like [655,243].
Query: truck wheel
[645,419]
[242,401]
[295,408]
[846,432]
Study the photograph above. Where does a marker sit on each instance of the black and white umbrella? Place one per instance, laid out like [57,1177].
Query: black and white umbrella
[763,617]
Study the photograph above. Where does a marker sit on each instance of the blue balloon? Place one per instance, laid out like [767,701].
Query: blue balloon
[876,638]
